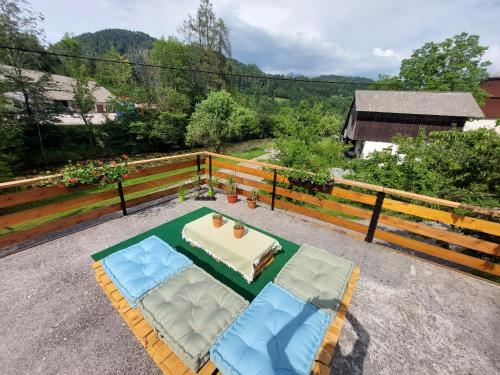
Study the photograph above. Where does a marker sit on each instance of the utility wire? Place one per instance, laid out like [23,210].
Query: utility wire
[185,69]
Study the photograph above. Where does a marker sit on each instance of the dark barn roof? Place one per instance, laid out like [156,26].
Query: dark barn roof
[379,115]
[455,104]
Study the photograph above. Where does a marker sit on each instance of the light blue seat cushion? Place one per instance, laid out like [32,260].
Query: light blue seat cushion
[137,269]
[277,334]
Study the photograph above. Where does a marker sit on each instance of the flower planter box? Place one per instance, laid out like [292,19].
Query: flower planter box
[205,198]
[325,188]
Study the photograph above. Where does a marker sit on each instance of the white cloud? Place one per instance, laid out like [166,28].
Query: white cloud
[377,51]
[493,54]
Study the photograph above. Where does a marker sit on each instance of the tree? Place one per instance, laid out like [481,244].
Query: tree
[211,35]
[215,121]
[11,138]
[307,139]
[164,129]
[68,45]
[84,100]
[454,165]
[115,77]
[19,28]
[455,64]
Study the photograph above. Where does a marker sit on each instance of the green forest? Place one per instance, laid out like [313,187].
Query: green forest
[184,91]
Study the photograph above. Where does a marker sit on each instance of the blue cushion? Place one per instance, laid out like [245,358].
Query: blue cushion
[277,334]
[140,267]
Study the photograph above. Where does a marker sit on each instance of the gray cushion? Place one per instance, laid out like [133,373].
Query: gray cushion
[316,276]
[189,311]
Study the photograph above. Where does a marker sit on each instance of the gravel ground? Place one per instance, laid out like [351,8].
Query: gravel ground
[407,315]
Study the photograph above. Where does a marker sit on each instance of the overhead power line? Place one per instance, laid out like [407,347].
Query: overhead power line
[193,70]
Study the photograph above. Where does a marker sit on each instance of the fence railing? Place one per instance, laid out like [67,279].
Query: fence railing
[374,211]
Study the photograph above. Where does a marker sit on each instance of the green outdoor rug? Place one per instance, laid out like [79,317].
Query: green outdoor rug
[170,232]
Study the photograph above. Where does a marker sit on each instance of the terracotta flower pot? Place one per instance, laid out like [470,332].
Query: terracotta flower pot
[232,198]
[217,222]
[238,232]
[252,204]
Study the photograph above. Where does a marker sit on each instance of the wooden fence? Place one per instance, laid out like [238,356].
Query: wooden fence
[374,211]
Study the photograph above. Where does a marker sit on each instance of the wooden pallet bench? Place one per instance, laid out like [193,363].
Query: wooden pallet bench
[170,364]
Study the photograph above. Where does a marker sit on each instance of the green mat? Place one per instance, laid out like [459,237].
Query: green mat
[170,232]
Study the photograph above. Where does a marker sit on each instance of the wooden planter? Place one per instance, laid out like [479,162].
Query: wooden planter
[232,198]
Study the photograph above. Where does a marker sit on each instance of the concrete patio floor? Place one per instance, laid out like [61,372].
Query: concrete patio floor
[407,315]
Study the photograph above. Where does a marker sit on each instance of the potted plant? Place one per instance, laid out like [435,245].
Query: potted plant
[252,199]
[181,193]
[231,191]
[217,220]
[238,229]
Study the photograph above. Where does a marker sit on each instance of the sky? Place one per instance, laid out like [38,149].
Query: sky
[346,37]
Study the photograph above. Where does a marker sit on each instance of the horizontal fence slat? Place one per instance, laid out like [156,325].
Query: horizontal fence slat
[244,181]
[31,195]
[54,208]
[439,252]
[58,207]
[11,239]
[443,216]
[377,188]
[248,170]
[456,257]
[309,212]
[163,168]
[442,235]
[353,196]
[355,211]
[129,189]
[158,194]
[418,228]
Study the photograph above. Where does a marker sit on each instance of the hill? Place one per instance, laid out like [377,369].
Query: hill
[124,41]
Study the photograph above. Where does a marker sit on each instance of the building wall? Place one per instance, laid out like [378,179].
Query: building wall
[491,108]
[365,148]
[382,127]
[483,123]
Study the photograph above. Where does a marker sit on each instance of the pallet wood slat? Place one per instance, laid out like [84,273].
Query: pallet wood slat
[162,355]
[170,363]
[327,347]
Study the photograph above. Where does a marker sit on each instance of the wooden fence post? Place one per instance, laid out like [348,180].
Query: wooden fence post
[122,198]
[377,208]
[274,191]
[210,167]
